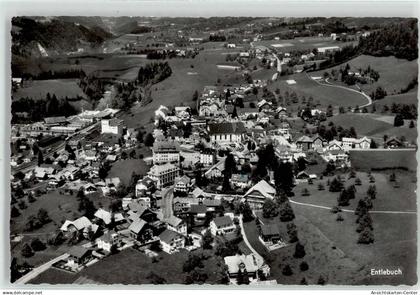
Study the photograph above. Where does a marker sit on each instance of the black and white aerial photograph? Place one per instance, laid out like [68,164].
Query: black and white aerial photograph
[263,150]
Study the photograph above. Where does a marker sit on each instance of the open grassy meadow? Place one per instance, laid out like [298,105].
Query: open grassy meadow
[382,159]
[388,198]
[405,98]
[133,267]
[389,238]
[374,126]
[38,89]
[324,95]
[54,276]
[322,256]
[394,73]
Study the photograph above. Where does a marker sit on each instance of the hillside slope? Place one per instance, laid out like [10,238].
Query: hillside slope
[32,37]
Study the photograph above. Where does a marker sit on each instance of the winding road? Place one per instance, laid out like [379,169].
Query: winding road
[329,84]
[260,259]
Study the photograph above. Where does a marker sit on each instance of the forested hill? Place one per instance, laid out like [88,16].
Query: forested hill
[35,38]
[399,40]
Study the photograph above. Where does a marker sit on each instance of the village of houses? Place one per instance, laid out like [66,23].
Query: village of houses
[168,209]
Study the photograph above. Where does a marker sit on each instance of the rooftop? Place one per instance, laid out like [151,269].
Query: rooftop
[168,236]
[223,221]
[227,127]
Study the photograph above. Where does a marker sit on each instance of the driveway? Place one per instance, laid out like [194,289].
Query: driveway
[167,199]
[260,259]
[40,269]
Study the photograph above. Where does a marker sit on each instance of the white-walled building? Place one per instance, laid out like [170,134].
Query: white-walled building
[222,225]
[112,126]
[171,241]
[164,174]
[165,152]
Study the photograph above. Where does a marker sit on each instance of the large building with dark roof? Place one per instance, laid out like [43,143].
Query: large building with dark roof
[226,132]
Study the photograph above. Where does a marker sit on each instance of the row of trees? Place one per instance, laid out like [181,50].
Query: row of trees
[126,95]
[153,73]
[60,74]
[38,109]
[93,87]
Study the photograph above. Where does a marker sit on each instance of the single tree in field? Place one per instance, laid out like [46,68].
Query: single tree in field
[366,236]
[368,201]
[335,185]
[344,198]
[357,181]
[392,177]
[321,280]
[351,190]
[373,144]
[339,217]
[305,192]
[371,192]
[365,221]
[124,155]
[43,216]
[270,209]
[321,187]
[207,240]
[14,212]
[155,279]
[398,120]
[292,232]
[246,211]
[361,209]
[286,212]
[411,124]
[37,245]
[299,251]
[287,270]
[304,266]
[26,251]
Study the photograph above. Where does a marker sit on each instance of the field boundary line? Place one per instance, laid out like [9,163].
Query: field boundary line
[352,211]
